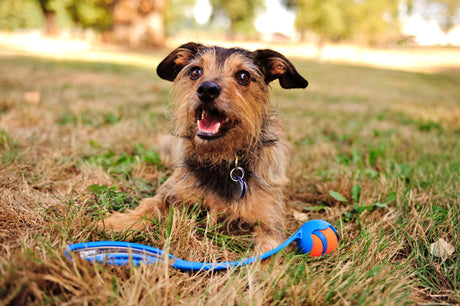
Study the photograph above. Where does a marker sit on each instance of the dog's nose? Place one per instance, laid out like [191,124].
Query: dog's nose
[208,91]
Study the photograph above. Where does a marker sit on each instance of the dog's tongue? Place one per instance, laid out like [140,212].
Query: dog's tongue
[209,125]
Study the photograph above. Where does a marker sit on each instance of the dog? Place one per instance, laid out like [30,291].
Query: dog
[231,150]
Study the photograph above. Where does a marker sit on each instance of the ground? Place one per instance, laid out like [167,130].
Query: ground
[376,154]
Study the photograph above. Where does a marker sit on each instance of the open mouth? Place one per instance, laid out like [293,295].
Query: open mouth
[212,123]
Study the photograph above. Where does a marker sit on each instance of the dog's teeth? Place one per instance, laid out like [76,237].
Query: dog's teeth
[216,129]
[209,130]
[203,114]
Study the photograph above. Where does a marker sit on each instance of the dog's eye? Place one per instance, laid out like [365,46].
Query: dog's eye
[196,73]
[243,77]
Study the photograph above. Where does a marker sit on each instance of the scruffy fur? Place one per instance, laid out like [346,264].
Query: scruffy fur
[229,86]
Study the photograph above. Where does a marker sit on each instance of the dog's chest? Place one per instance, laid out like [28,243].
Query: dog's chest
[220,180]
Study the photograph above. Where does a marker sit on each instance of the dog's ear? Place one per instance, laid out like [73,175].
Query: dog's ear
[170,67]
[275,66]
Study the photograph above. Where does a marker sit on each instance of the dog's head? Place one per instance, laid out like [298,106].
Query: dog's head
[221,95]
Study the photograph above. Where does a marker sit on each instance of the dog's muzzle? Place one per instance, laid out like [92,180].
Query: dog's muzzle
[211,122]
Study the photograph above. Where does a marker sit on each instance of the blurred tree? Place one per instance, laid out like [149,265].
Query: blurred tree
[364,21]
[409,5]
[50,17]
[139,22]
[375,21]
[241,13]
[19,14]
[132,22]
[177,16]
[23,14]
[95,14]
[326,18]
[449,14]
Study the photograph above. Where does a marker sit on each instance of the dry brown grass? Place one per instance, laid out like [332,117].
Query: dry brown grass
[387,131]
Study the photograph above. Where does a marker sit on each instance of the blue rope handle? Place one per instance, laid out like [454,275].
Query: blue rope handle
[121,253]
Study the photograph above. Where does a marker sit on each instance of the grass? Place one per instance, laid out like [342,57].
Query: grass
[376,153]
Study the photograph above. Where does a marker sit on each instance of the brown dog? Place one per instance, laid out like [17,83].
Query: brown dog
[232,152]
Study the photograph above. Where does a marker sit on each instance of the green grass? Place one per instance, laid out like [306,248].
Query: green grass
[376,153]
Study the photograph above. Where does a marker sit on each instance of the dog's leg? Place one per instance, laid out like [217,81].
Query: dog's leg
[266,237]
[136,219]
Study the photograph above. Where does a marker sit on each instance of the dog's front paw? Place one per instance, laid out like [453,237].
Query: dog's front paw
[119,222]
[266,238]
[137,219]
[268,244]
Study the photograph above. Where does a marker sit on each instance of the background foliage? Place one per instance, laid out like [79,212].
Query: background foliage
[363,21]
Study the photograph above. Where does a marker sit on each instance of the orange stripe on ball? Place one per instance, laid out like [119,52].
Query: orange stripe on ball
[317,248]
[331,238]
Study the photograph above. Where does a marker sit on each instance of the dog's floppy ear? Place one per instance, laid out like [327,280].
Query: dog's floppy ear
[275,66]
[170,67]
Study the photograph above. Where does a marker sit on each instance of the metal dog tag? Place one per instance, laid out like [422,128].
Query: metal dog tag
[240,188]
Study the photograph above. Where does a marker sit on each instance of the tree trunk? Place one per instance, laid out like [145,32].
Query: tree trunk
[50,23]
[50,18]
